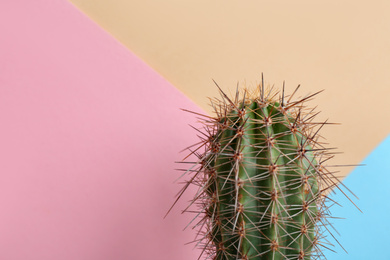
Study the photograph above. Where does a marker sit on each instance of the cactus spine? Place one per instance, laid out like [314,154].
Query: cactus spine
[261,178]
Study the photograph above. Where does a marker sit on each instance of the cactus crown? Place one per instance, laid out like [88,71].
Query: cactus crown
[262,178]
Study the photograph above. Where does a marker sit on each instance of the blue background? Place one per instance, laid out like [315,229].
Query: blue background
[364,235]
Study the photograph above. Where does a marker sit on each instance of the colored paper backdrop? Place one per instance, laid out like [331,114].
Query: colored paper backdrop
[339,46]
[89,138]
[90,132]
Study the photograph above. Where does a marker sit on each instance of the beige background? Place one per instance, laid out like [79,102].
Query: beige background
[340,46]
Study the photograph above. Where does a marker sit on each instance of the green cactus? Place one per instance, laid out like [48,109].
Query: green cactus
[261,178]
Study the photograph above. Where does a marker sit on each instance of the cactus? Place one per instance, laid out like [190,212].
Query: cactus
[262,178]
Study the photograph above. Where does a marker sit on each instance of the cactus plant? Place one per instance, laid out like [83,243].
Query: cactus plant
[262,178]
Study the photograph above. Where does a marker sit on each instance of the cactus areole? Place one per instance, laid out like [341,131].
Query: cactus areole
[261,177]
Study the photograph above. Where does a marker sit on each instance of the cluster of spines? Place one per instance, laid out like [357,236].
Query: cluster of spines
[262,179]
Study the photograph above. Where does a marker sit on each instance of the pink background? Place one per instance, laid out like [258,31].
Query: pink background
[88,139]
